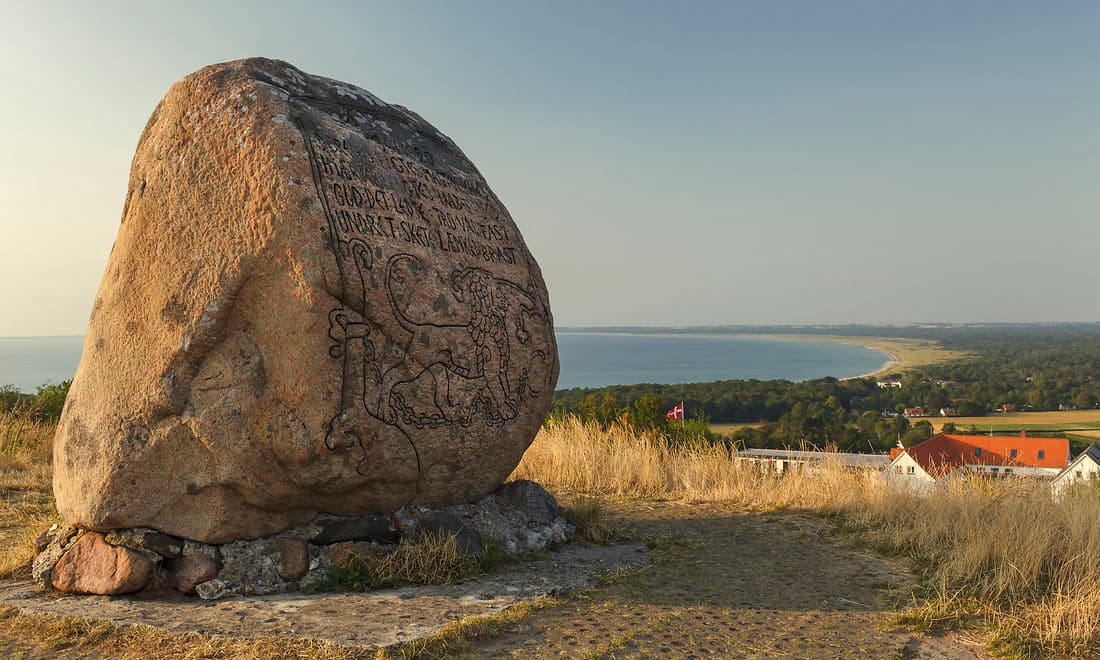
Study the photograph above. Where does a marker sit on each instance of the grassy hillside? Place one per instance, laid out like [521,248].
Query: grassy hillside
[1002,556]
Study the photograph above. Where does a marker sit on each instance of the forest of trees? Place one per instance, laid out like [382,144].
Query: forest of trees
[1033,367]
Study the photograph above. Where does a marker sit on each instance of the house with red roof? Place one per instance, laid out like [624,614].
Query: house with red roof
[994,456]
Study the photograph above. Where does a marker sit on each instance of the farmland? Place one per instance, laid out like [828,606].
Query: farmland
[1051,420]
[1078,422]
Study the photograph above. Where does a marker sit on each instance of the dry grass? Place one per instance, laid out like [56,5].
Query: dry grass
[26,500]
[1003,554]
[587,515]
[572,456]
[1000,554]
[47,635]
[431,559]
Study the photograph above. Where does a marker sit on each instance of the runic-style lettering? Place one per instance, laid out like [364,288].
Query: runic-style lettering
[442,323]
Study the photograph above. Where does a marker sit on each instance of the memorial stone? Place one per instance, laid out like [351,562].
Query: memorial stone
[315,305]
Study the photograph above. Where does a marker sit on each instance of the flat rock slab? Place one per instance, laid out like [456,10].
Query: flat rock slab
[373,619]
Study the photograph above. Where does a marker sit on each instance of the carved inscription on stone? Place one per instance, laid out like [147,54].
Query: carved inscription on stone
[441,324]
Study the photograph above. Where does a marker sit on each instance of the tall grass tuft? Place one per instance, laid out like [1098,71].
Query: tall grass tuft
[431,559]
[26,503]
[1003,553]
[571,455]
[24,441]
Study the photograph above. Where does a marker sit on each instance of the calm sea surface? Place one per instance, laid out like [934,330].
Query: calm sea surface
[588,359]
[594,359]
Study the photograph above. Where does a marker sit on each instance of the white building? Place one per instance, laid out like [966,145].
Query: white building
[948,455]
[783,460]
[1085,468]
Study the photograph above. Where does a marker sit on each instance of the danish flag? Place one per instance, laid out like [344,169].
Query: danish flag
[677,411]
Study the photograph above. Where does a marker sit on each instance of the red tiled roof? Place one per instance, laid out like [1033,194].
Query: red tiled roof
[945,453]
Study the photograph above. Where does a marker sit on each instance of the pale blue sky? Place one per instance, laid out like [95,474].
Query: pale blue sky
[679,163]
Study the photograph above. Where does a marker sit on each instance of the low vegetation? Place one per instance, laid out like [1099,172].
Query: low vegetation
[587,515]
[51,635]
[1000,555]
[431,559]
[26,501]
[44,405]
[1003,555]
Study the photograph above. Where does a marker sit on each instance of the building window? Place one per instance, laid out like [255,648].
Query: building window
[977,451]
[911,470]
[1042,454]
[1008,471]
[1012,454]
[897,468]
[995,470]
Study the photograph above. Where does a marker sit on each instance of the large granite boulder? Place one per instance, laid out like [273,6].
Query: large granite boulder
[315,304]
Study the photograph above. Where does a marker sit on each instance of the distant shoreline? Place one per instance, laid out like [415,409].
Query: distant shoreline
[704,358]
[902,353]
[892,362]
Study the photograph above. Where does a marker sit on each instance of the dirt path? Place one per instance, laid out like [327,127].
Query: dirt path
[729,583]
[723,582]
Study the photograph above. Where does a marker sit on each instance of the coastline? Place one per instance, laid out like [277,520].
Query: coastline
[902,353]
[871,359]
[891,364]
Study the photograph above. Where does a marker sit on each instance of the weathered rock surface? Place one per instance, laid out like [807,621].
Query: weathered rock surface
[149,542]
[521,517]
[315,304]
[293,558]
[91,565]
[49,546]
[358,528]
[414,522]
[198,563]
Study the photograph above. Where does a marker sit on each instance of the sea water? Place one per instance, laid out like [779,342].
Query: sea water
[29,362]
[595,359]
[588,359]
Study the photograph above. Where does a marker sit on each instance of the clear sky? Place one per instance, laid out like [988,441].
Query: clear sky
[672,164]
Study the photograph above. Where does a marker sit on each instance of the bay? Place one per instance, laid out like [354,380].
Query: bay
[596,359]
[588,359]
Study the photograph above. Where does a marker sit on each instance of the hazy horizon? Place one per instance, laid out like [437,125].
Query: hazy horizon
[720,164]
